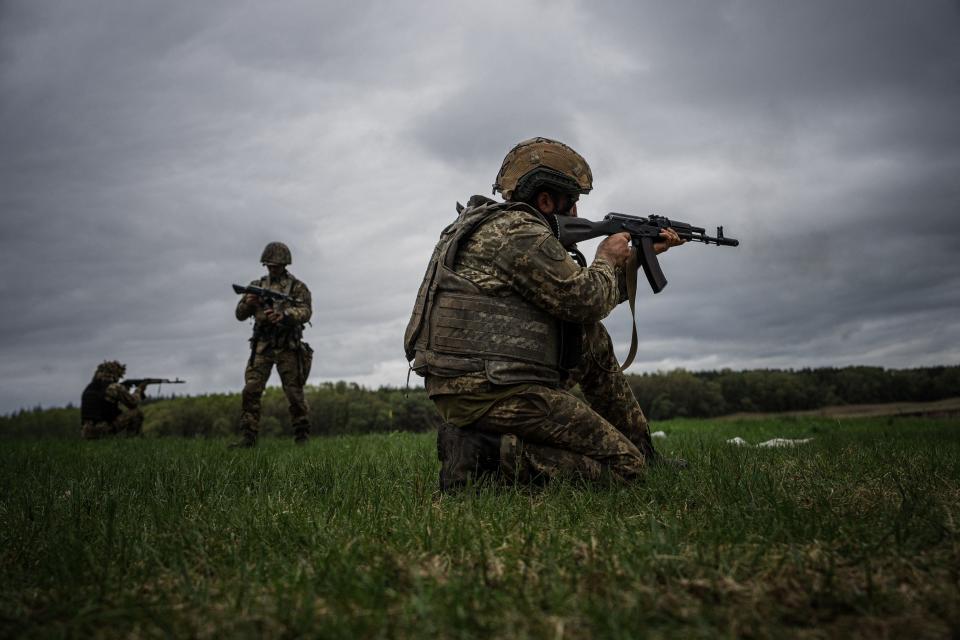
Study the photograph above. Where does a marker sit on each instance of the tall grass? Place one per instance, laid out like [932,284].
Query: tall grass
[854,534]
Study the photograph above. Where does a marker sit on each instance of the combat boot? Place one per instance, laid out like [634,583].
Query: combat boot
[301,436]
[248,439]
[465,454]
[652,457]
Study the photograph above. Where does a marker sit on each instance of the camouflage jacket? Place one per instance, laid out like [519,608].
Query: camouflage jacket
[516,253]
[118,394]
[286,334]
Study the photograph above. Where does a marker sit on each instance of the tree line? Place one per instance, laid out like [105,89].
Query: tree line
[709,394]
[342,407]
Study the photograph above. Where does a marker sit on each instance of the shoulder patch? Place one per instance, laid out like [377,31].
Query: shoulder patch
[551,247]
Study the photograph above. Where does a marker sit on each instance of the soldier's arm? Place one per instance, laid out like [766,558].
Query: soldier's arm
[117,394]
[540,269]
[245,310]
[300,312]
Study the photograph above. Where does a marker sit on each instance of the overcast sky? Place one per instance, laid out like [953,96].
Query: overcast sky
[149,150]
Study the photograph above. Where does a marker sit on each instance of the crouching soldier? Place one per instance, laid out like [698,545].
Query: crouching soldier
[107,408]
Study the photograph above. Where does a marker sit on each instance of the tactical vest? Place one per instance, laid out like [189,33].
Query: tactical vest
[278,336]
[94,406]
[456,328]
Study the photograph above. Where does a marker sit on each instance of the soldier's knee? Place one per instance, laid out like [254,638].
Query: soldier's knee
[630,466]
[294,394]
[252,391]
[298,409]
[91,431]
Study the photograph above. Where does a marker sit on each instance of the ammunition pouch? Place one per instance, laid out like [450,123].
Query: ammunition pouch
[493,329]
[277,336]
[306,362]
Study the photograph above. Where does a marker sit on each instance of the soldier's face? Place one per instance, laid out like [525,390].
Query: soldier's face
[562,205]
[276,270]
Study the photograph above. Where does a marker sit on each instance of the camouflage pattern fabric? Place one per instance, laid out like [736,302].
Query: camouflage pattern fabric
[296,314]
[129,422]
[255,379]
[119,395]
[278,346]
[557,433]
[561,435]
[545,157]
[517,253]
[525,463]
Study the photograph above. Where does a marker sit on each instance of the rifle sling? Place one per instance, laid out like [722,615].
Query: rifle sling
[631,269]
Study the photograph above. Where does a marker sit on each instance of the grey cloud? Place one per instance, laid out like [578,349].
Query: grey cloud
[148,152]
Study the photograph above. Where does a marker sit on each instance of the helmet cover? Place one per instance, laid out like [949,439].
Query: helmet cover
[542,163]
[276,253]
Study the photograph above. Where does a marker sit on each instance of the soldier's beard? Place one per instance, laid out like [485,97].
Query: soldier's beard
[568,204]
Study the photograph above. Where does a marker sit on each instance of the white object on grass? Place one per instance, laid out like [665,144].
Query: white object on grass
[784,442]
[776,442]
[658,434]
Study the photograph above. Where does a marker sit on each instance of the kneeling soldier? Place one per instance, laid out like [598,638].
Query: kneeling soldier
[107,408]
[507,322]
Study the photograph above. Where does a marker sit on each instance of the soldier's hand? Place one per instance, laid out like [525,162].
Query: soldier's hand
[142,390]
[274,316]
[251,300]
[669,238]
[615,249]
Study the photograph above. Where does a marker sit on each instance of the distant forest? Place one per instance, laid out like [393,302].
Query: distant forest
[341,408]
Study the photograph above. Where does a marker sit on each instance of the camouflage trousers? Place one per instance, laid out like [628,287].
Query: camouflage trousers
[128,423]
[553,433]
[258,371]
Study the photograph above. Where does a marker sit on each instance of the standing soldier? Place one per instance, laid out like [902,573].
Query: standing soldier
[107,408]
[507,322]
[277,340]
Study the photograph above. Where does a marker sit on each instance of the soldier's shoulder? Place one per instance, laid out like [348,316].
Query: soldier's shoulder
[509,224]
[515,213]
[114,390]
[525,215]
[519,217]
[298,283]
[256,283]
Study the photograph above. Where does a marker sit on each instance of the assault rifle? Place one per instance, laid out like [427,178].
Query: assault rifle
[644,232]
[268,296]
[136,382]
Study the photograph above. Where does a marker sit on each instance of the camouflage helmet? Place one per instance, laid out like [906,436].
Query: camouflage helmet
[541,163]
[111,369]
[276,253]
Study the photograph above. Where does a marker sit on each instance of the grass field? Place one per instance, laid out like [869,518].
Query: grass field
[856,534]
